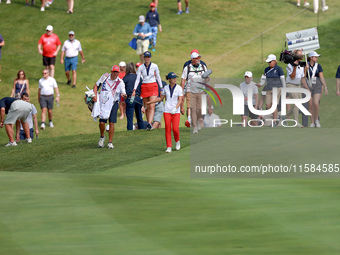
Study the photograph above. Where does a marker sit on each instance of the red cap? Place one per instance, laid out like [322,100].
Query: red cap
[138,64]
[152,5]
[194,50]
[115,68]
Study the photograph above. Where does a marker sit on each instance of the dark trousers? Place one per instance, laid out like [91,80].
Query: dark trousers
[137,108]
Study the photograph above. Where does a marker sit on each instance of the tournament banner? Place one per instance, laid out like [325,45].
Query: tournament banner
[306,40]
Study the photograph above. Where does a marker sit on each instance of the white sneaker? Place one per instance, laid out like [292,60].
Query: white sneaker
[198,126]
[8,1]
[312,125]
[298,5]
[101,142]
[317,124]
[306,4]
[178,146]
[11,144]
[42,9]
[51,124]
[46,4]
[29,140]
[168,150]
[325,8]
[110,146]
[298,125]
[42,126]
[195,130]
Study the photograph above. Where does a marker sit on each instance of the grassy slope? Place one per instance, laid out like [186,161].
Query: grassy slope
[105,29]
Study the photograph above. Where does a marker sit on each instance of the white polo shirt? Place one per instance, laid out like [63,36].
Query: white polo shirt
[71,48]
[172,97]
[47,86]
[244,87]
[149,74]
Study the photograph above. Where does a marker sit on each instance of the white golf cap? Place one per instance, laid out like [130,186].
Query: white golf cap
[194,55]
[270,58]
[212,107]
[49,28]
[313,54]
[141,18]
[248,74]
[122,63]
[71,33]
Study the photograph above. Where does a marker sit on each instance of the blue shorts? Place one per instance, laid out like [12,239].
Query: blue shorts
[113,114]
[71,63]
[23,135]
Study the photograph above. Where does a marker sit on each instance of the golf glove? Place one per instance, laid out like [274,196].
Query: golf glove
[132,98]
[173,111]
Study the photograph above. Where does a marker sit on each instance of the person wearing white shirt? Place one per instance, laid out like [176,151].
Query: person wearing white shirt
[149,90]
[295,77]
[211,119]
[112,87]
[47,85]
[71,48]
[32,121]
[174,96]
[245,86]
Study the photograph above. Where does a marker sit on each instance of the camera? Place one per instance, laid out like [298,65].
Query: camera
[288,57]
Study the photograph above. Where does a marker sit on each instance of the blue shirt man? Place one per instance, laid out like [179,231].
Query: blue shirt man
[143,32]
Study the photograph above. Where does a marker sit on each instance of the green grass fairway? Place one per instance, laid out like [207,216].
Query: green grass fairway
[152,206]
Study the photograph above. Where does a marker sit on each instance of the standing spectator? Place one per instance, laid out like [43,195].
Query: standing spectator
[16,110]
[152,17]
[111,88]
[122,105]
[316,6]
[275,78]
[49,46]
[138,65]
[70,4]
[337,76]
[32,121]
[2,43]
[159,109]
[133,104]
[149,72]
[173,93]
[295,76]
[179,4]
[156,3]
[143,32]
[317,84]
[245,86]
[192,75]
[71,48]
[20,85]
[306,4]
[211,119]
[189,61]
[46,97]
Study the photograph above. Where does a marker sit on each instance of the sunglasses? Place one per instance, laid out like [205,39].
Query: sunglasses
[44,73]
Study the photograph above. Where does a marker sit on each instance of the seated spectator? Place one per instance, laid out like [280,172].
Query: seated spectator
[211,119]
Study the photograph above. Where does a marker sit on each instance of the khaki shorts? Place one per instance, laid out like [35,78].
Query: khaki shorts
[195,100]
[19,111]
[142,46]
[269,96]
